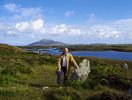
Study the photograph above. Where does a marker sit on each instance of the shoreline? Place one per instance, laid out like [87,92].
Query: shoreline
[118,48]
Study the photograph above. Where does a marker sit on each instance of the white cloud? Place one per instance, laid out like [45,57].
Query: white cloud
[95,31]
[11,7]
[30,22]
[64,30]
[59,28]
[22,26]
[69,13]
[24,21]
[74,32]
[104,31]
[12,33]
[38,24]
[24,12]
[32,26]
[2,27]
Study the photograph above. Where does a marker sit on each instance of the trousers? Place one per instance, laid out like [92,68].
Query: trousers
[59,75]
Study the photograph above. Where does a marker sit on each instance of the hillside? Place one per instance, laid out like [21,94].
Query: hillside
[46,42]
[7,49]
[23,75]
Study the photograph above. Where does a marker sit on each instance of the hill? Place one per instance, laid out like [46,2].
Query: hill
[46,42]
[7,49]
[23,75]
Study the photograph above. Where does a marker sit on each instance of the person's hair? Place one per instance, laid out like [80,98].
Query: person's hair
[62,53]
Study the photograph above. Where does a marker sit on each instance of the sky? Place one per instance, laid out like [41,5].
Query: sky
[70,21]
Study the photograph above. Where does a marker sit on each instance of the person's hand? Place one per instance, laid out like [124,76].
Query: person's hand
[77,66]
[58,70]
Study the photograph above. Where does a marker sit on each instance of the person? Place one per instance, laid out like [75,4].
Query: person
[64,62]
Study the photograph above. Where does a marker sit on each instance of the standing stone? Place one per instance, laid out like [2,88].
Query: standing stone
[82,72]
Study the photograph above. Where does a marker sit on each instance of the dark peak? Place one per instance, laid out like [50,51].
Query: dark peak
[46,42]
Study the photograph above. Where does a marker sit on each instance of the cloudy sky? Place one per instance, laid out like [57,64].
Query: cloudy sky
[70,21]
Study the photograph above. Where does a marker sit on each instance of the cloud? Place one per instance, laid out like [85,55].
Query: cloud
[2,27]
[69,13]
[22,22]
[37,24]
[22,26]
[63,30]
[23,12]
[29,22]
[34,25]
[119,29]
[74,32]
[11,7]
[59,28]
[12,33]
[37,28]
[96,31]
[104,32]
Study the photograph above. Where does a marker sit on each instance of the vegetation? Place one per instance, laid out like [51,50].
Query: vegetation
[24,74]
[92,47]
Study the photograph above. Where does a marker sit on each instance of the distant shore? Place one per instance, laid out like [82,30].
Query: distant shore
[119,48]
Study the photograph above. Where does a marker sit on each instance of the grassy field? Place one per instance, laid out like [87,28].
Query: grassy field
[24,74]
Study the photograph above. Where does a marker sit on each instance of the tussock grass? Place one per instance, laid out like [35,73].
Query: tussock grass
[23,74]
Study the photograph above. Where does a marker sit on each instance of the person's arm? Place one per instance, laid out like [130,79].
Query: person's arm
[73,61]
[59,64]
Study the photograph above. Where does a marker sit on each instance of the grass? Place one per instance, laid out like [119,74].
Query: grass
[23,74]
[43,76]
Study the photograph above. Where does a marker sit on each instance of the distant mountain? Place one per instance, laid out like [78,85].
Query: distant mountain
[46,42]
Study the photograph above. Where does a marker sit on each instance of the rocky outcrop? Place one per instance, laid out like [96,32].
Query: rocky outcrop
[125,66]
[82,72]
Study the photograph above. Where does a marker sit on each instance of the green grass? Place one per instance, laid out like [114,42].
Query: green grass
[23,74]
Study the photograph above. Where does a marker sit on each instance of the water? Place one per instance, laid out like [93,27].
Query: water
[105,54]
[98,54]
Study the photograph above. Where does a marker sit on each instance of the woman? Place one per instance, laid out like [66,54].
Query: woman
[64,67]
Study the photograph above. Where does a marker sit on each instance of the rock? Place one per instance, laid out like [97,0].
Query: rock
[45,87]
[82,72]
[130,91]
[125,65]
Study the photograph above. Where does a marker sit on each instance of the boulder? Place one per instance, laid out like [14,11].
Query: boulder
[125,66]
[82,72]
